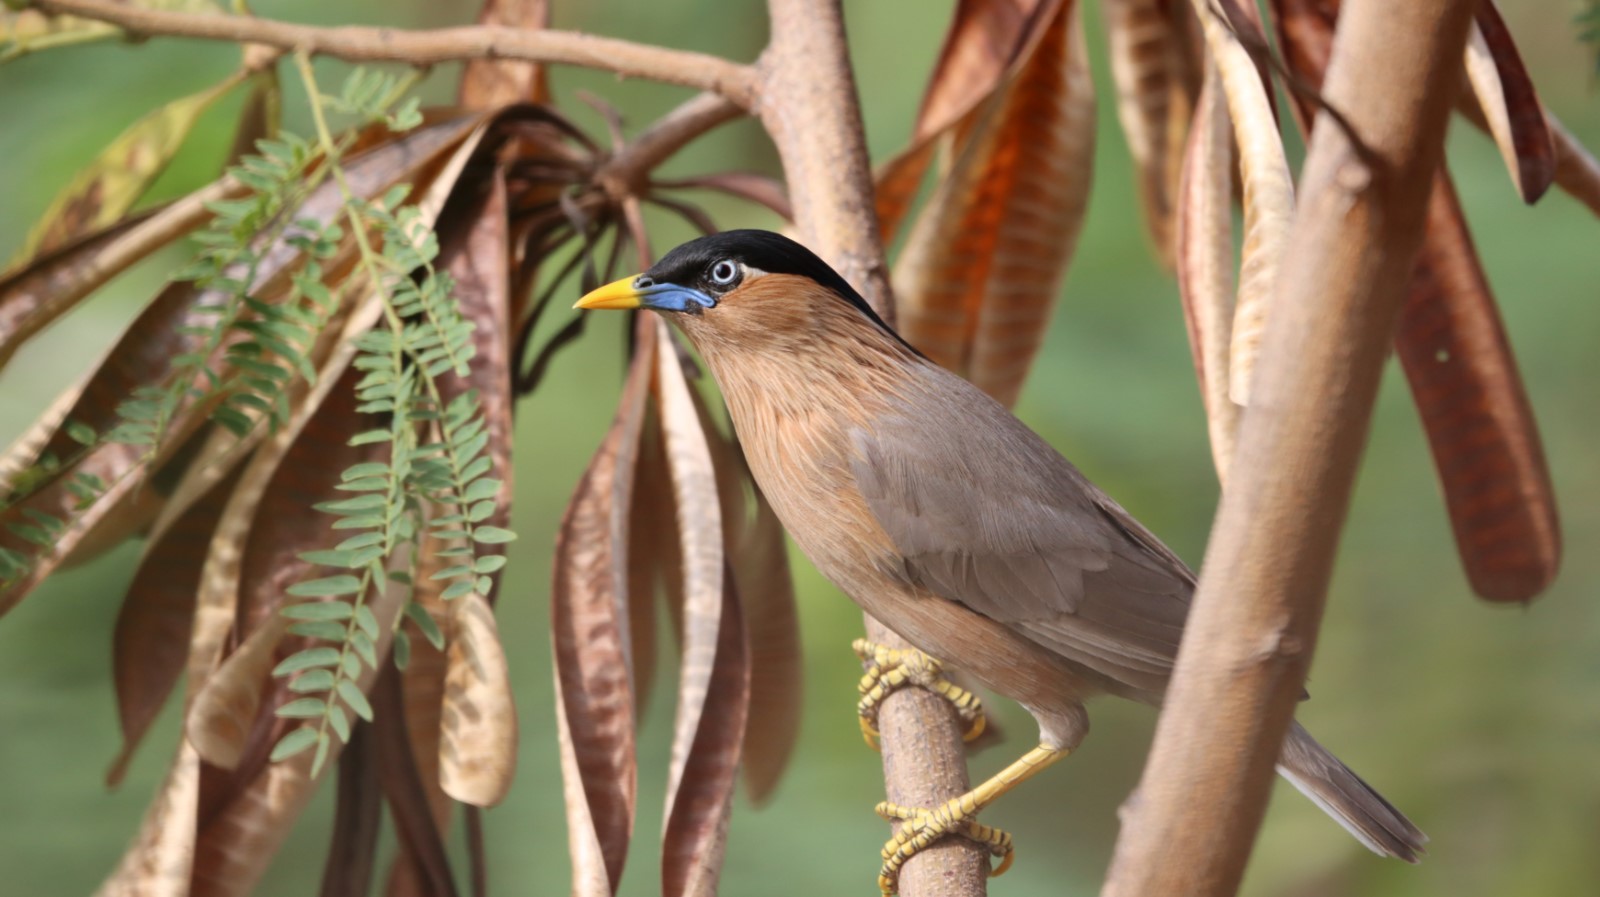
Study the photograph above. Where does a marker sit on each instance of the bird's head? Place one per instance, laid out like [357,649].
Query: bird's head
[747,289]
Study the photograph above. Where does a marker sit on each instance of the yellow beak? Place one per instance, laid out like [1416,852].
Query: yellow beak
[619,294]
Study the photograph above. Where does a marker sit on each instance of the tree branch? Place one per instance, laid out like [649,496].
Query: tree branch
[628,170]
[807,101]
[808,104]
[1189,828]
[360,44]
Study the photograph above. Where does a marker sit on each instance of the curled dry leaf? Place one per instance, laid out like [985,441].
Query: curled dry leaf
[310,473]
[1205,261]
[701,801]
[490,83]
[985,43]
[766,598]
[159,861]
[476,253]
[478,741]
[241,837]
[759,562]
[123,171]
[252,817]
[358,811]
[34,296]
[655,556]
[153,625]
[474,250]
[422,707]
[238,842]
[1268,189]
[146,353]
[1509,104]
[1475,410]
[224,712]
[423,864]
[1149,69]
[1463,377]
[981,269]
[146,348]
[25,450]
[589,631]
[714,676]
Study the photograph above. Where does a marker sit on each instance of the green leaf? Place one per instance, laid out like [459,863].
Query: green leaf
[339,722]
[305,660]
[335,558]
[318,610]
[351,693]
[344,584]
[489,563]
[347,505]
[32,534]
[365,540]
[453,572]
[321,755]
[312,680]
[80,432]
[425,624]
[457,589]
[492,535]
[320,629]
[303,708]
[367,620]
[481,489]
[363,644]
[361,471]
[293,743]
[402,649]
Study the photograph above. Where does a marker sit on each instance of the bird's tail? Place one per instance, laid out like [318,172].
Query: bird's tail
[1351,802]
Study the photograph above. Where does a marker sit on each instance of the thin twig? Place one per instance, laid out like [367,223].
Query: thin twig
[627,171]
[425,47]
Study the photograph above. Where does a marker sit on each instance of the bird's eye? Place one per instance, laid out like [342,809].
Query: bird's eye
[724,273]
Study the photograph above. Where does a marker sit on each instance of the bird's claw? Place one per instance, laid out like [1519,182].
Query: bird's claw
[895,668]
[923,827]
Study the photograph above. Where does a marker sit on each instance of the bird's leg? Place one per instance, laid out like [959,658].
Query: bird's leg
[895,668]
[957,817]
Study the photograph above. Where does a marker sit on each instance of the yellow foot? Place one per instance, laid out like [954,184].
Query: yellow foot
[895,668]
[923,827]
[958,817]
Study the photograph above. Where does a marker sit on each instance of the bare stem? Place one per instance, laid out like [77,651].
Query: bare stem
[808,104]
[729,79]
[626,172]
[1395,72]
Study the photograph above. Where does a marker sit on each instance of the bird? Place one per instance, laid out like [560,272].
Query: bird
[948,519]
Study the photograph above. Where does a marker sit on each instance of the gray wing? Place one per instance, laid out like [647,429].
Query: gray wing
[983,511]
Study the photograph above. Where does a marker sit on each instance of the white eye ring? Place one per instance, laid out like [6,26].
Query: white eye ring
[724,273]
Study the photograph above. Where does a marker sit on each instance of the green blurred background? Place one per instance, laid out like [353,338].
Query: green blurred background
[1479,721]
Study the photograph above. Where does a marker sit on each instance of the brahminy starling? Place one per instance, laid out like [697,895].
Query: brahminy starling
[946,518]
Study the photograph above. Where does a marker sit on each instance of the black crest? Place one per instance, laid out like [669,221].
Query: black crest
[771,252]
